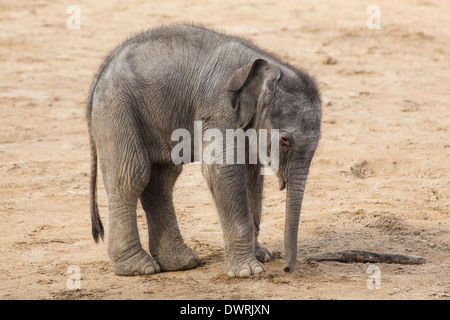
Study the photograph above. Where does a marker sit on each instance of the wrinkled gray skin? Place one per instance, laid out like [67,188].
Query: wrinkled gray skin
[166,79]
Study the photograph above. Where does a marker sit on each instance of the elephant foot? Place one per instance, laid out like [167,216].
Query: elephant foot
[262,253]
[139,264]
[244,268]
[176,258]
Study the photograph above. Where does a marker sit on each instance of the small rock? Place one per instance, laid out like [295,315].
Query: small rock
[329,61]
[326,102]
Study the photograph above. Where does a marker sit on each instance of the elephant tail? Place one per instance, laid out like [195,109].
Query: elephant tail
[96,222]
[97,225]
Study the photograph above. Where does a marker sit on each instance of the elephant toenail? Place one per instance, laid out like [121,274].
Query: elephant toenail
[231,274]
[149,270]
[245,273]
[258,270]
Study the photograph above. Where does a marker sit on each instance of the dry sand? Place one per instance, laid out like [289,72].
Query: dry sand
[379,180]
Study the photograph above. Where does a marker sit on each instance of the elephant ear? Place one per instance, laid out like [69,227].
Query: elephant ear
[246,88]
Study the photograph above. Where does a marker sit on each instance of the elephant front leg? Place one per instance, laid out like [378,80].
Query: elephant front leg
[255,182]
[229,190]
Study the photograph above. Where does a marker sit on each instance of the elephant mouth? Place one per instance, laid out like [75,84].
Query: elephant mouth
[281,182]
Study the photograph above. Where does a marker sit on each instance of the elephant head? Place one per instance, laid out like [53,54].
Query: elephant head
[271,95]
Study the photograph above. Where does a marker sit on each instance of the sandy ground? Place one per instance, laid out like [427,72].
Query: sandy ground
[379,180]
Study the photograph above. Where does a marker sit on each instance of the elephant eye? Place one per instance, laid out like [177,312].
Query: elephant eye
[285,141]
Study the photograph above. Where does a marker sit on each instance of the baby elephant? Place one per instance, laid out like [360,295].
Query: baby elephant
[174,78]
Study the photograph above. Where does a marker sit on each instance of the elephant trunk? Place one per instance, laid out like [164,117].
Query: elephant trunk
[295,186]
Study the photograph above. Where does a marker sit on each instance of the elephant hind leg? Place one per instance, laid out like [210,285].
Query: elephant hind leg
[126,172]
[165,241]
